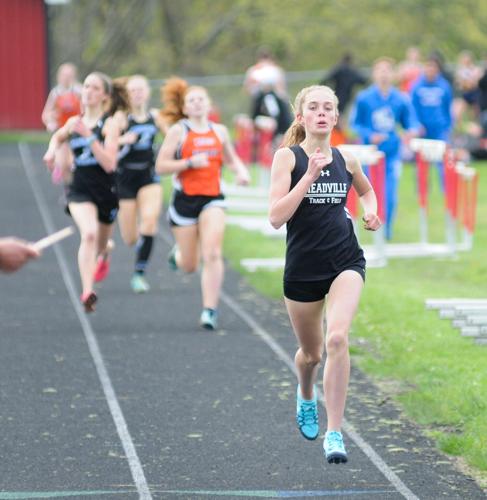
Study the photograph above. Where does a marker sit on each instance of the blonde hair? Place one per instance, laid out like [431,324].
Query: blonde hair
[138,77]
[173,93]
[384,59]
[296,133]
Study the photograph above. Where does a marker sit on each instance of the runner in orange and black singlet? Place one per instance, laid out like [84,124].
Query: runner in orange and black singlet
[194,150]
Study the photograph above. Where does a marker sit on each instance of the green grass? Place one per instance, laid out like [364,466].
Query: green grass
[442,376]
[30,136]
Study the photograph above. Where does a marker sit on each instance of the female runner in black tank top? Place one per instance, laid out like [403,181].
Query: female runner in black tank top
[92,199]
[139,188]
[309,184]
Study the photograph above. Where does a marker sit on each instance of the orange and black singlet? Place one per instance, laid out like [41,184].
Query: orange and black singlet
[200,181]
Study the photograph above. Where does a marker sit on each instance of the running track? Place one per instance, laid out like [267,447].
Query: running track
[135,401]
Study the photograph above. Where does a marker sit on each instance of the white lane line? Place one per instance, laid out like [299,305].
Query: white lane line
[113,404]
[372,455]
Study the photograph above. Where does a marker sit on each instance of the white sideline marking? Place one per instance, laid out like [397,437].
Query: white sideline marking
[372,455]
[113,404]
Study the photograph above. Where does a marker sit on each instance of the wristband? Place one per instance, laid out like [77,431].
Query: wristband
[189,163]
[91,139]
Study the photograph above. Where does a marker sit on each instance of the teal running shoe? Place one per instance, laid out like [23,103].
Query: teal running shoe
[307,416]
[334,448]
[209,319]
[139,284]
[171,258]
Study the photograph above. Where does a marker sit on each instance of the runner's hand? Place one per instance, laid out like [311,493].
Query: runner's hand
[199,160]
[243,177]
[377,138]
[49,160]
[317,161]
[14,253]
[128,138]
[371,222]
[81,129]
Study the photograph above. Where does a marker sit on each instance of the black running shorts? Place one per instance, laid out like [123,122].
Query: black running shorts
[129,182]
[312,291]
[107,205]
[184,210]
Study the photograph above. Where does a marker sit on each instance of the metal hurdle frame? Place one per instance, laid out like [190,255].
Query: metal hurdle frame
[467,179]
[427,151]
[461,185]
[254,143]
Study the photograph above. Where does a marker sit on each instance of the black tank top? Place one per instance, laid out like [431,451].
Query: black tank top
[321,241]
[88,174]
[140,155]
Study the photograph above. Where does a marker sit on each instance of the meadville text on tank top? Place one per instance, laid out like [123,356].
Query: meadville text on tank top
[320,238]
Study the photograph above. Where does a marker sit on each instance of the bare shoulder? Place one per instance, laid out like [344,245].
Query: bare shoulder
[351,162]
[173,135]
[285,156]
[154,113]
[221,131]
[111,125]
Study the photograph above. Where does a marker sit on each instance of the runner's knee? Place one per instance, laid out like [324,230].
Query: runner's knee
[212,256]
[89,236]
[336,341]
[188,266]
[148,224]
[312,357]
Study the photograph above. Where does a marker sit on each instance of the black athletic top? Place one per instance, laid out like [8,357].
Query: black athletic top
[88,174]
[321,241]
[140,155]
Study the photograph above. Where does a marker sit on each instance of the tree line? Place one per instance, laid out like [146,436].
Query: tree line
[196,37]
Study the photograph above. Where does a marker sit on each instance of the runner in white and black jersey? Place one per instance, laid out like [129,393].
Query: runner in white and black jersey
[92,199]
[139,188]
[309,186]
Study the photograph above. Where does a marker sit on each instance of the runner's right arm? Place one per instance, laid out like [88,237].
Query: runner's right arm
[61,135]
[166,162]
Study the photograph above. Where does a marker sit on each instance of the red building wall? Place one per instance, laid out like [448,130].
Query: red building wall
[23,63]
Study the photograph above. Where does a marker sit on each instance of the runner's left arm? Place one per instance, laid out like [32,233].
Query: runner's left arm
[106,152]
[366,193]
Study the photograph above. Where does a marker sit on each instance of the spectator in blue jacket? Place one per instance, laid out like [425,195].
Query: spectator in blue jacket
[378,112]
[432,98]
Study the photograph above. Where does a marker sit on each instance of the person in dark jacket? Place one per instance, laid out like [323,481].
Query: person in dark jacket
[343,78]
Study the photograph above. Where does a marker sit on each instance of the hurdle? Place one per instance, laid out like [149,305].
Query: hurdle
[427,151]
[254,143]
[467,181]
[264,128]
[460,194]
[244,136]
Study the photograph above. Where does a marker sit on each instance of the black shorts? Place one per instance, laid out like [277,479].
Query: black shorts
[471,97]
[184,210]
[129,182]
[107,205]
[312,291]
